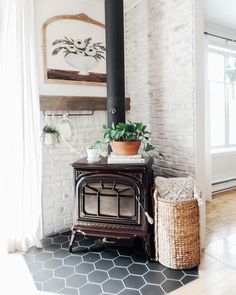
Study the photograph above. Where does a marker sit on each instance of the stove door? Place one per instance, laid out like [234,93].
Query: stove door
[109,198]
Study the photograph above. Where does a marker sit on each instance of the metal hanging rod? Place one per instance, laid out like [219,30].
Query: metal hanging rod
[69,114]
[220,37]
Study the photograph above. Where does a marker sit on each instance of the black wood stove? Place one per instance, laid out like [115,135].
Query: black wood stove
[112,200]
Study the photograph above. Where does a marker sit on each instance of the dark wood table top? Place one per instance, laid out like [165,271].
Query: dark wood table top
[83,163]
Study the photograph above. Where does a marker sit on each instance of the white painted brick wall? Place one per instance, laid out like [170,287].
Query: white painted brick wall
[57,185]
[160,79]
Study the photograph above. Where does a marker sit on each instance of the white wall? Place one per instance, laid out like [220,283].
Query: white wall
[223,171]
[223,166]
[160,79]
[57,186]
[218,29]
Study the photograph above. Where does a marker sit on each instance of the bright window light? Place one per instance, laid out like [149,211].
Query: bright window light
[222,94]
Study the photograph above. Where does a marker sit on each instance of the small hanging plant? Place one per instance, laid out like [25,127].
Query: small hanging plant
[50,135]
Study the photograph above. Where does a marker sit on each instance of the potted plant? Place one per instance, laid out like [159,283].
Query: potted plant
[95,151]
[50,135]
[126,138]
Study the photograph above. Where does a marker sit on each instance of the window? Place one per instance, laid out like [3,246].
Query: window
[222,93]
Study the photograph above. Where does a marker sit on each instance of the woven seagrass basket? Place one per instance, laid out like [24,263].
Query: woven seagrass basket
[177,233]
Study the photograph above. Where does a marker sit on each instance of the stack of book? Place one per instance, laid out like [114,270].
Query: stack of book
[117,159]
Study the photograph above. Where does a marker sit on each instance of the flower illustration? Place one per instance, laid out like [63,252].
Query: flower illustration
[90,51]
[80,47]
[79,43]
[71,48]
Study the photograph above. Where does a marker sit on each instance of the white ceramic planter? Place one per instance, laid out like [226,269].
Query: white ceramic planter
[93,155]
[48,139]
[81,63]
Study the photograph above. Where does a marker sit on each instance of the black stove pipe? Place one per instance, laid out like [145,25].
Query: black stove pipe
[114,16]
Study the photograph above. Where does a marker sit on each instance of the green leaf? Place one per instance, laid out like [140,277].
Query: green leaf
[120,133]
[120,126]
[131,137]
[113,133]
[149,148]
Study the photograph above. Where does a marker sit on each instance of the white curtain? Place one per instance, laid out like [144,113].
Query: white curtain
[20,162]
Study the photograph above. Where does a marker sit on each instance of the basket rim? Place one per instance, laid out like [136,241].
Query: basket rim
[177,201]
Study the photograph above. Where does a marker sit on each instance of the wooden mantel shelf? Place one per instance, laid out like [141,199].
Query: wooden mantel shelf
[75,103]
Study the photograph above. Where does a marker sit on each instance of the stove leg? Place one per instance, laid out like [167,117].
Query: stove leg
[72,239]
[147,247]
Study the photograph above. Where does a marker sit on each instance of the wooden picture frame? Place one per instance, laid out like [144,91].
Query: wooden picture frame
[74,50]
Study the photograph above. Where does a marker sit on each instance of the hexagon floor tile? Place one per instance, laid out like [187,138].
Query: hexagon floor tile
[95,269]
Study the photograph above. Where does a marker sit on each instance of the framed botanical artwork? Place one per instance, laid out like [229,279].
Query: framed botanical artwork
[74,50]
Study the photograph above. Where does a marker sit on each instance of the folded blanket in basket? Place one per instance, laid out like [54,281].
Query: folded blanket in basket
[177,188]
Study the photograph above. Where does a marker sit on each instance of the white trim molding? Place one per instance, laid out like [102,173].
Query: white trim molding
[200,171]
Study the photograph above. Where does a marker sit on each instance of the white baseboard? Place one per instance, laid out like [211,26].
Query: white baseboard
[224,185]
